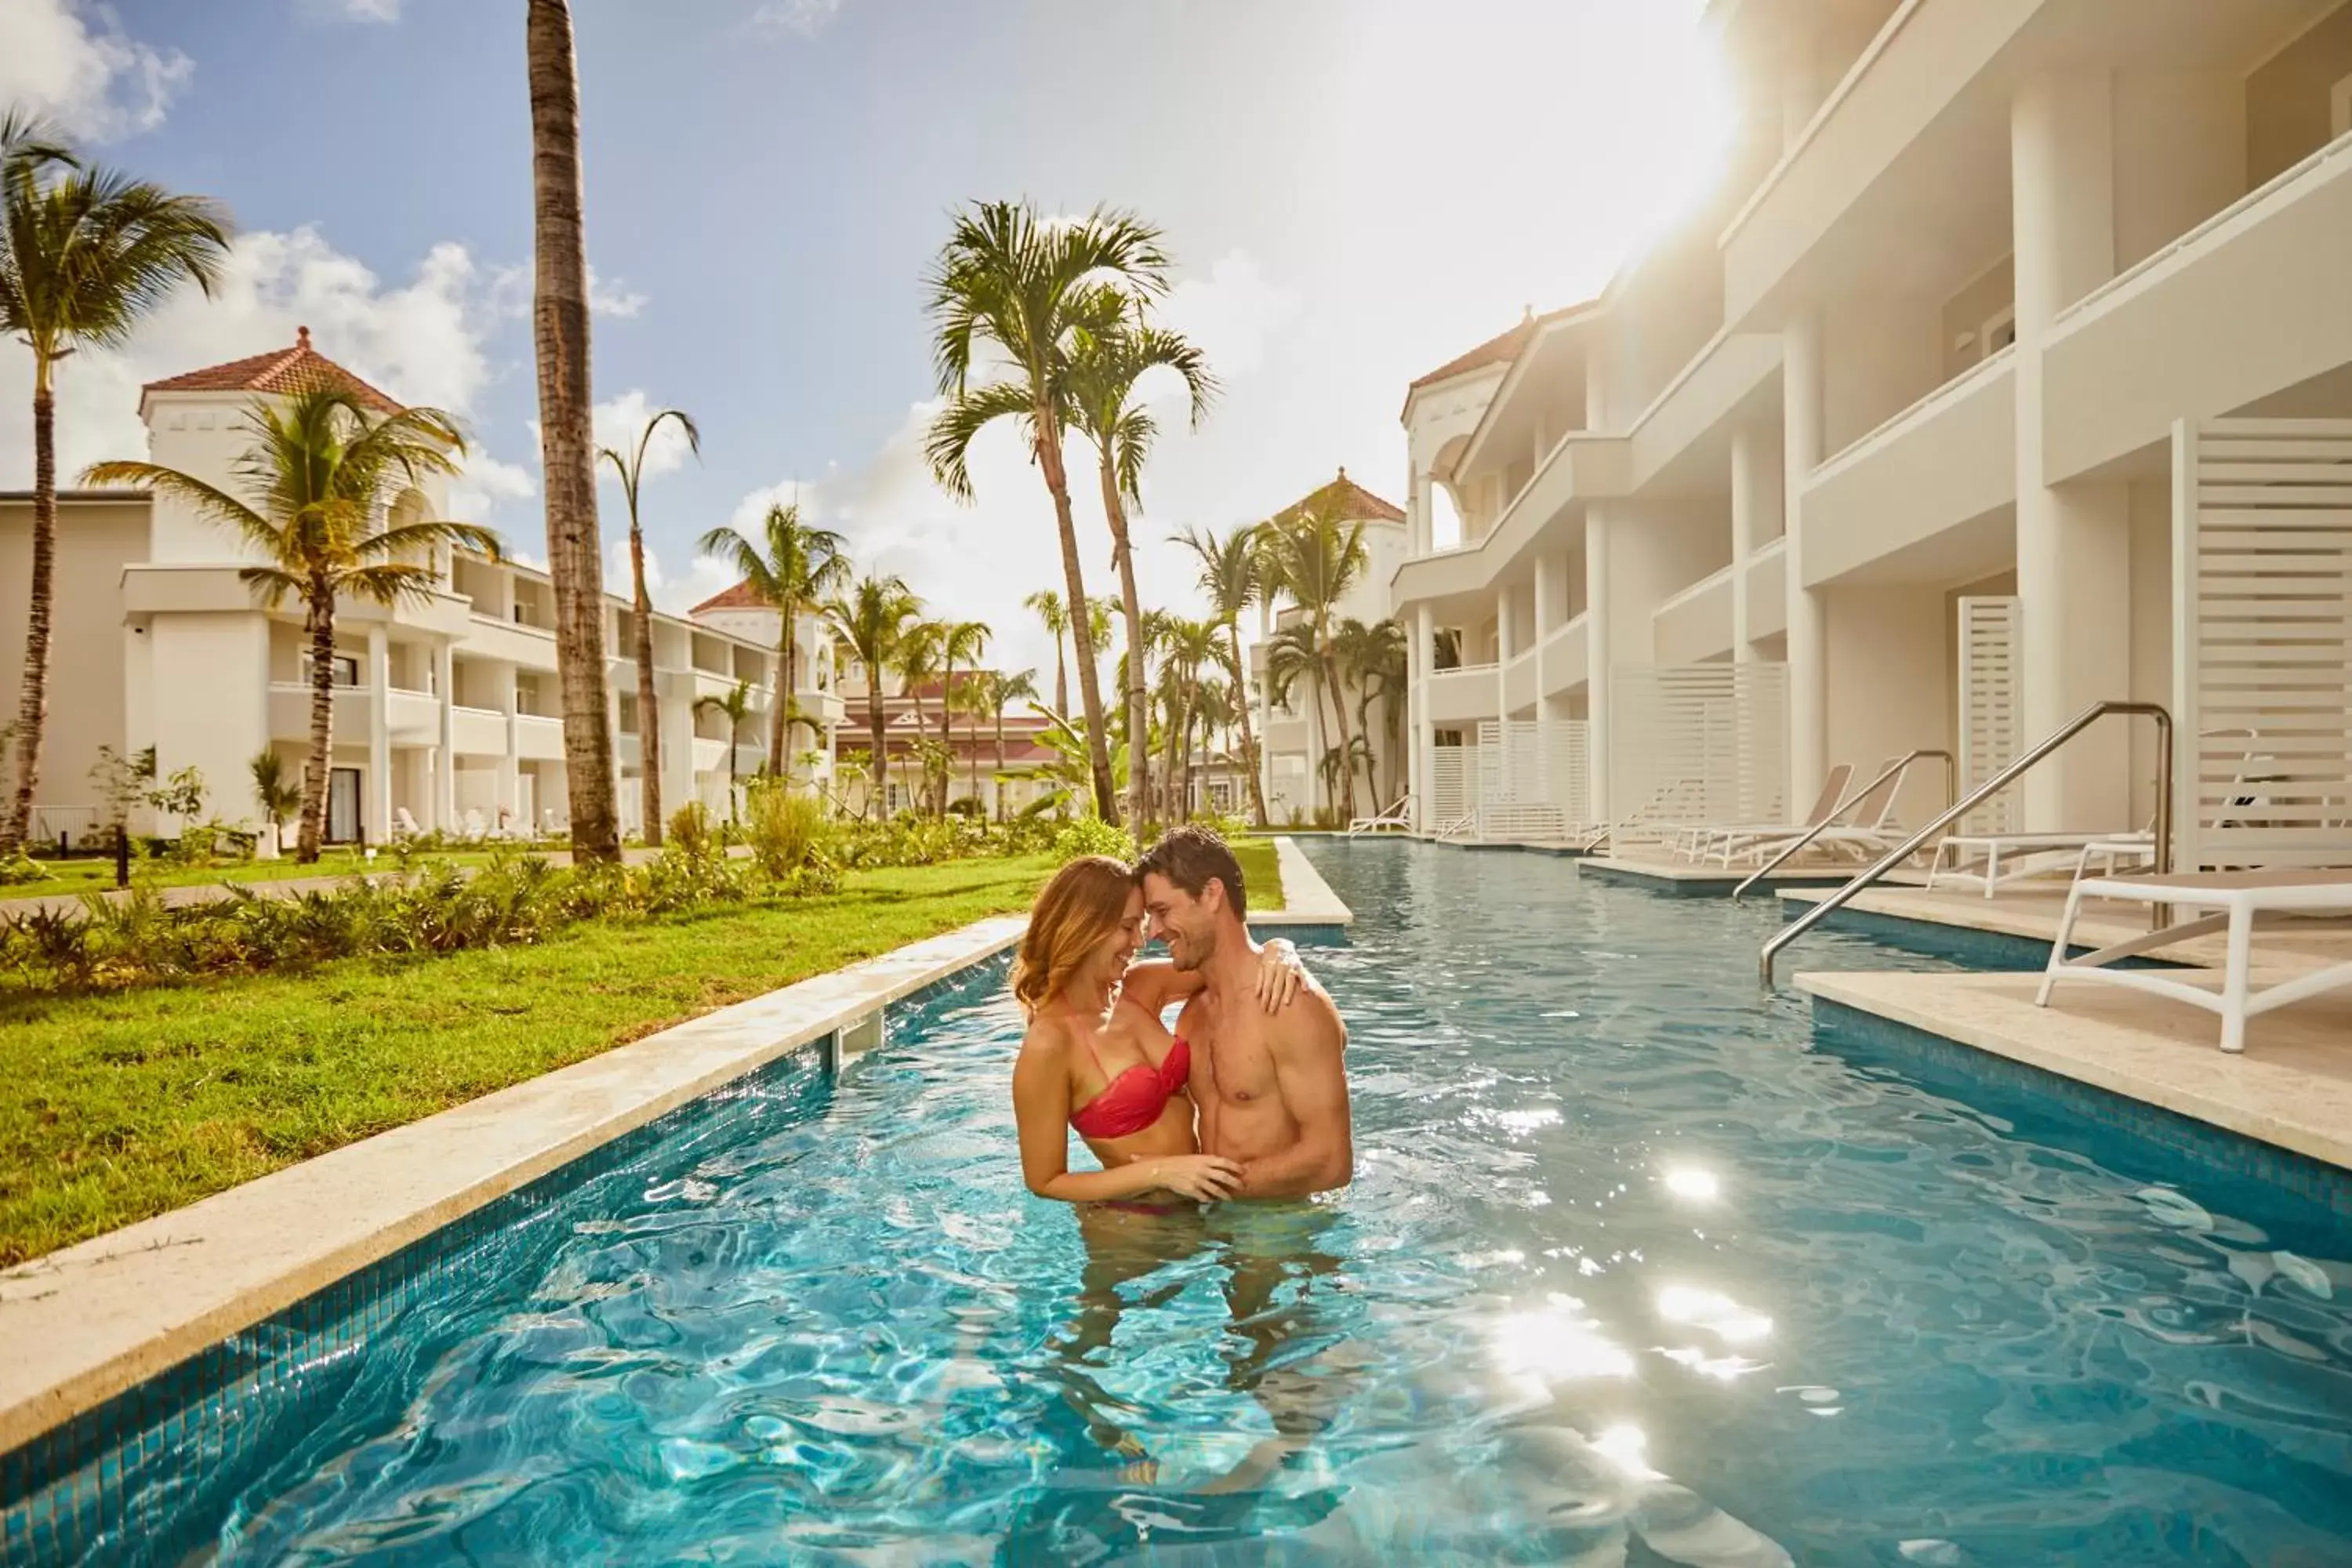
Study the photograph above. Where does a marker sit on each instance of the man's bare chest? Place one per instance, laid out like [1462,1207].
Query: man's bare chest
[1233,1056]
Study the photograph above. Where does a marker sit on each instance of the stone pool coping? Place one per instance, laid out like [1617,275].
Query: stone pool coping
[85,1324]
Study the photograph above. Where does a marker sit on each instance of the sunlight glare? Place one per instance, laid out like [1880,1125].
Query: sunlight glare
[1717,1313]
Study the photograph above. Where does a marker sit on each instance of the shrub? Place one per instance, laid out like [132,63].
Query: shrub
[1091,835]
[784,826]
[966,806]
[17,868]
[692,831]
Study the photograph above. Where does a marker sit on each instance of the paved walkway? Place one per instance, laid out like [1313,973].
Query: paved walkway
[191,893]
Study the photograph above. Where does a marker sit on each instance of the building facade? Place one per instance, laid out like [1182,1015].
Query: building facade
[1976,272]
[447,714]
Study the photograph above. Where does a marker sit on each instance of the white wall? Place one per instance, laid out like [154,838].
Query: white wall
[87,653]
[209,703]
[1892,684]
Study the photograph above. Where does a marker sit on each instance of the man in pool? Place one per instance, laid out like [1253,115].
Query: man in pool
[1271,1087]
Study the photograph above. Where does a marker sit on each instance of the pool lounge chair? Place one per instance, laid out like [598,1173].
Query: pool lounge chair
[2028,855]
[1399,816]
[2243,899]
[1698,840]
[1871,830]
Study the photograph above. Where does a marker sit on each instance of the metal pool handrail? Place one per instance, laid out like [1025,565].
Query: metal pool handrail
[1951,783]
[1990,787]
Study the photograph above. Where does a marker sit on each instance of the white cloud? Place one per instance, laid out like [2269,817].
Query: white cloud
[672,592]
[74,63]
[1228,315]
[475,494]
[805,18]
[613,298]
[619,421]
[371,10]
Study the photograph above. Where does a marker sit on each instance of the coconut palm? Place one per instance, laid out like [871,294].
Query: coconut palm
[317,478]
[922,649]
[735,707]
[1054,615]
[1009,292]
[1316,557]
[871,620]
[1230,581]
[1113,351]
[1002,691]
[961,642]
[1191,648]
[1373,660]
[279,796]
[790,567]
[631,467]
[86,253]
[567,442]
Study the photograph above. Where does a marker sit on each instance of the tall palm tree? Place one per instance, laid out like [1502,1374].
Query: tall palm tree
[631,467]
[735,707]
[317,479]
[1009,292]
[961,642]
[1315,558]
[1055,617]
[1230,581]
[567,442]
[1003,691]
[922,647]
[1192,646]
[1116,347]
[792,567]
[1372,658]
[871,620]
[85,254]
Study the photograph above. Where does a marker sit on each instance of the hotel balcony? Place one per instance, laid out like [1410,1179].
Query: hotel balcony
[1580,467]
[1694,625]
[1465,695]
[1567,657]
[2251,303]
[479,732]
[1891,505]
[510,642]
[539,738]
[1768,594]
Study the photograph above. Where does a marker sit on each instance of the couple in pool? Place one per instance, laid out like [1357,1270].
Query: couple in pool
[1246,1098]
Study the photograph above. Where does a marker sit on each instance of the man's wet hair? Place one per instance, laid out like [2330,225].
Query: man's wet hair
[1191,858]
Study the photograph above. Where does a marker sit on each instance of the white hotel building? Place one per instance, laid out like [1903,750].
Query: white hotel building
[1980,276]
[448,715]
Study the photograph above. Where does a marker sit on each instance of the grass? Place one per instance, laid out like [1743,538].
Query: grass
[97,874]
[119,1107]
[1261,872]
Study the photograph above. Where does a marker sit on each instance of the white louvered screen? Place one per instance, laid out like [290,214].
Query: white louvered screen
[1453,785]
[2262,562]
[1990,706]
[1534,777]
[1697,743]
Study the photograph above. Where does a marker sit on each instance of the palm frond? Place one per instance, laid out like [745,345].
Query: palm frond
[946,443]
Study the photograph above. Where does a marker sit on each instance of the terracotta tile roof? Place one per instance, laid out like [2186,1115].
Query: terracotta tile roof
[1345,499]
[298,369]
[738,598]
[1500,349]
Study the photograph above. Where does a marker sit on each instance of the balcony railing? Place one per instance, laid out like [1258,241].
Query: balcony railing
[1919,413]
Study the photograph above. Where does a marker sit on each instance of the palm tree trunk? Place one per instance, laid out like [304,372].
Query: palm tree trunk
[1000,764]
[877,773]
[1249,741]
[1058,481]
[1340,719]
[649,709]
[317,766]
[33,700]
[1061,681]
[559,333]
[1137,723]
[947,730]
[780,706]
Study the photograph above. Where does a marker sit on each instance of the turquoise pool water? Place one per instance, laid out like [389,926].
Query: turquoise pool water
[1635,1271]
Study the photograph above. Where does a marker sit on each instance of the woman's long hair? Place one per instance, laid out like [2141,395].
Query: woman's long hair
[1084,903]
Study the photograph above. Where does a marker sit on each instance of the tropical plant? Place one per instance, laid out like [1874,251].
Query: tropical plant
[921,649]
[1070,767]
[279,796]
[790,567]
[631,467]
[734,705]
[960,642]
[321,469]
[566,438]
[871,620]
[1115,348]
[86,253]
[1014,282]
[1054,615]
[1315,557]
[1373,659]
[998,691]
[1230,581]
[783,825]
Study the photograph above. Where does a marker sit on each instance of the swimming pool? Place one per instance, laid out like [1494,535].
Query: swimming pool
[1631,1263]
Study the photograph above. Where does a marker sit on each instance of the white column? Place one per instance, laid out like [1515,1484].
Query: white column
[1598,655]
[1755,503]
[1546,614]
[377,796]
[444,778]
[2074,542]
[1421,523]
[1801,424]
[1264,713]
[1424,726]
[510,787]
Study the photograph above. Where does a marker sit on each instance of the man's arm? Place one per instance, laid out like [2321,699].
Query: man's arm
[1307,1043]
[1152,983]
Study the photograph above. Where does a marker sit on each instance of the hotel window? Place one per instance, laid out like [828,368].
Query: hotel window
[347,669]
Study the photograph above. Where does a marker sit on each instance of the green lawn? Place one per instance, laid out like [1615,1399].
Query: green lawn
[115,1107]
[1261,872]
[98,876]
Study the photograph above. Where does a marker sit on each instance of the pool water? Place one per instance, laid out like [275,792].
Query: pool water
[1633,1270]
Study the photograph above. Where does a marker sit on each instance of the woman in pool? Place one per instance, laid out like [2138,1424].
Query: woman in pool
[1097,1058]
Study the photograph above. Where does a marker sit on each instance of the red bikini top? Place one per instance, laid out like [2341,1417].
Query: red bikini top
[1134,1099]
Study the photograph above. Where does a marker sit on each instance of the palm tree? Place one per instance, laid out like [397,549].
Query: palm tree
[922,649]
[1010,278]
[1055,617]
[1113,351]
[960,642]
[735,707]
[791,567]
[567,443]
[277,797]
[85,254]
[1315,558]
[871,620]
[1192,648]
[631,467]
[1003,690]
[1230,580]
[1372,657]
[320,472]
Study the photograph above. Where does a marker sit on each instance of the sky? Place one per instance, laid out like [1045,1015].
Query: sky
[1354,190]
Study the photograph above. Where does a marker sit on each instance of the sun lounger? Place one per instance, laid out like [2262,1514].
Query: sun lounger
[2243,899]
[1701,840]
[1399,816]
[1873,829]
[1975,860]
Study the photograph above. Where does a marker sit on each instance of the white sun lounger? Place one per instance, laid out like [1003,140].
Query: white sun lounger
[1699,840]
[2242,899]
[2029,855]
[1399,816]
[1872,829]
